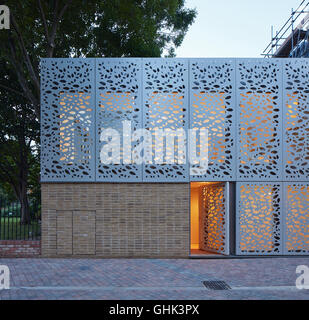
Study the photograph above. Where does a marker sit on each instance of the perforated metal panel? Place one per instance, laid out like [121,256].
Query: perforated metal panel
[259,91]
[67,120]
[68,135]
[119,98]
[165,103]
[296,119]
[214,218]
[258,218]
[212,107]
[296,218]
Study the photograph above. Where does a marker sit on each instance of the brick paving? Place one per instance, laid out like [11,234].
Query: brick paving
[262,278]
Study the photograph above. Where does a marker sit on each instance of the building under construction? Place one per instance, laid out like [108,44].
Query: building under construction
[292,40]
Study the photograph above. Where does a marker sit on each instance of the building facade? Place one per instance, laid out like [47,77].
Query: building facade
[251,199]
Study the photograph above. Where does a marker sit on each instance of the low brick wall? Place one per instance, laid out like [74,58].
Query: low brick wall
[19,248]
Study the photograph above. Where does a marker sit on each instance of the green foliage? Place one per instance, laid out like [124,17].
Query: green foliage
[6,191]
[19,136]
[93,28]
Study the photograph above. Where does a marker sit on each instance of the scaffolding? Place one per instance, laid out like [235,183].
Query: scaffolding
[292,40]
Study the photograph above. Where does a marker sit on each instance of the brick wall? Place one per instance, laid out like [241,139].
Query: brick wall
[19,248]
[115,219]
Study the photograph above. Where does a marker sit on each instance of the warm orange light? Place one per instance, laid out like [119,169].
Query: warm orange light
[73,110]
[194,217]
[205,208]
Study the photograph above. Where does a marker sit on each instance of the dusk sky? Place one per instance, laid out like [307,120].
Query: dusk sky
[233,28]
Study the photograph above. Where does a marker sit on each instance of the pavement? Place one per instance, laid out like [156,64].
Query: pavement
[123,279]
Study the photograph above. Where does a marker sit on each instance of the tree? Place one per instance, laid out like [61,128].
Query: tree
[18,140]
[92,28]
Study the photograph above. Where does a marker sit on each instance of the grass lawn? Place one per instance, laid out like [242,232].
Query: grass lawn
[11,229]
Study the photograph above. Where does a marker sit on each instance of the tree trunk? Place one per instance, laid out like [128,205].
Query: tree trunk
[24,205]
[23,197]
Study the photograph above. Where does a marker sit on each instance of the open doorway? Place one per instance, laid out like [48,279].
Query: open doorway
[209,218]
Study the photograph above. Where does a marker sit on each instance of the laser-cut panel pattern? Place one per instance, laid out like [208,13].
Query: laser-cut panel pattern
[67,120]
[213,219]
[212,107]
[296,119]
[259,119]
[258,218]
[119,98]
[296,218]
[165,95]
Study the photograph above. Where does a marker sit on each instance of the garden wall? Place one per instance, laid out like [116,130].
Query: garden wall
[19,248]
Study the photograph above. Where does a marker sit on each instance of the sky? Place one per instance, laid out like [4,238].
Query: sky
[233,28]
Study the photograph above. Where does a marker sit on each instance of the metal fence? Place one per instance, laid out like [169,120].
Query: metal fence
[11,227]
